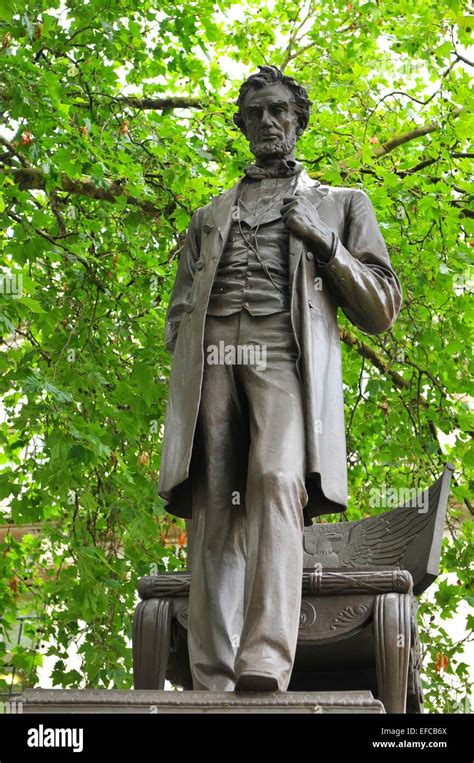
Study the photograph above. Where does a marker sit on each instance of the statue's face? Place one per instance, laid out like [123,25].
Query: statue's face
[270,121]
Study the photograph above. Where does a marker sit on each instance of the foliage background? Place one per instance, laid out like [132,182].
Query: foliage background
[116,125]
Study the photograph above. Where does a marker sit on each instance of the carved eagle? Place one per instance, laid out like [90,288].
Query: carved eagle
[407,537]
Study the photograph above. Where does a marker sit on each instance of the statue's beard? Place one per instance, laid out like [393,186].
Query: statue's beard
[267,149]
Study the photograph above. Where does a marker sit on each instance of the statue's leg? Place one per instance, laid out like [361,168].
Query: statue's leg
[275,499]
[218,567]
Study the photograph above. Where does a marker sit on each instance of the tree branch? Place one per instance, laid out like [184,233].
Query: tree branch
[399,140]
[31,178]
[294,35]
[365,351]
[406,137]
[12,151]
[464,59]
[417,167]
[164,103]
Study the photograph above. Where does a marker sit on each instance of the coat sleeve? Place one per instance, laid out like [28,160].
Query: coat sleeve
[360,273]
[179,300]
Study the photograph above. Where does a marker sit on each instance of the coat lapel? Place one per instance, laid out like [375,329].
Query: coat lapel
[221,210]
[317,191]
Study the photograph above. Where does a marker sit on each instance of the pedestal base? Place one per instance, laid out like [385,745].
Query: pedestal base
[149,701]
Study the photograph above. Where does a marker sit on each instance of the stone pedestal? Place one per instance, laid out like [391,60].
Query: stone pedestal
[150,701]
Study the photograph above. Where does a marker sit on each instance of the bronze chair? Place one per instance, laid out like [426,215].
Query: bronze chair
[358,627]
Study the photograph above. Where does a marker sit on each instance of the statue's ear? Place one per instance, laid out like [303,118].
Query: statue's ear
[239,122]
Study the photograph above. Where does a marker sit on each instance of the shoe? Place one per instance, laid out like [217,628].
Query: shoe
[256,682]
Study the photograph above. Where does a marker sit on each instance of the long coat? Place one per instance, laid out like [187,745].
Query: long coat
[358,278]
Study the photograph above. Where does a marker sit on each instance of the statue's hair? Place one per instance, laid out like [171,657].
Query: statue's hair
[270,75]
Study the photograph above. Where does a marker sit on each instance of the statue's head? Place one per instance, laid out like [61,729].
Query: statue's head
[273,111]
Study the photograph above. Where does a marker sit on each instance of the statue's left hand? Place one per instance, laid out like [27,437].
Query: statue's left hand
[302,219]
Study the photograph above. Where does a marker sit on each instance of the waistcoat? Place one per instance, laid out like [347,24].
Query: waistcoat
[256,281]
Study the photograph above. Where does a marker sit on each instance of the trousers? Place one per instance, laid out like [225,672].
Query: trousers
[248,477]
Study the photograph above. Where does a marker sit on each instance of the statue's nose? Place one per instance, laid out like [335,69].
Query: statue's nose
[266,118]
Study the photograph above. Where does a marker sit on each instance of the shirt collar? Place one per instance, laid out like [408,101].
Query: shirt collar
[285,168]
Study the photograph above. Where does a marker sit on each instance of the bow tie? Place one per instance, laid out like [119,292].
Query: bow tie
[285,168]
